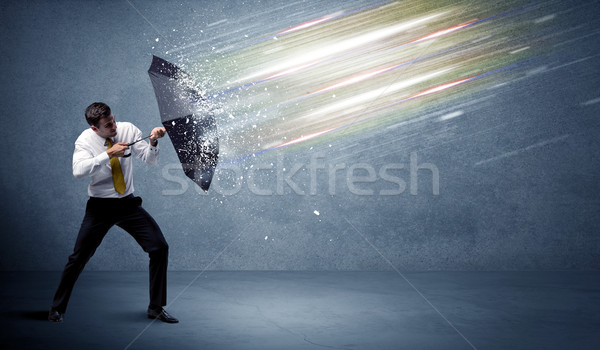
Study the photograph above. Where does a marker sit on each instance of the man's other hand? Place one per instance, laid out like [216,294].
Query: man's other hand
[157,133]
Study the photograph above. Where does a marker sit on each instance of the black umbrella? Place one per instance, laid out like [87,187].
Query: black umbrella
[188,120]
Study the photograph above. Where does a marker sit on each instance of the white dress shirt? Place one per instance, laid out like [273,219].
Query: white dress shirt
[91,160]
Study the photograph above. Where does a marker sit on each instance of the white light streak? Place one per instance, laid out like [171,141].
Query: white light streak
[342,46]
[452,115]
[373,95]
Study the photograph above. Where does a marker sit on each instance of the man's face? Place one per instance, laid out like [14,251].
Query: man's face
[107,127]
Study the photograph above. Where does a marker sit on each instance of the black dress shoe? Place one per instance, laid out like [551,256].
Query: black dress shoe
[55,316]
[162,315]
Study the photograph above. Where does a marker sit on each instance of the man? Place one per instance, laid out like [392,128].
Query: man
[100,153]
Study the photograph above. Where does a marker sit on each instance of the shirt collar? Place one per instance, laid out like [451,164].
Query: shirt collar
[102,140]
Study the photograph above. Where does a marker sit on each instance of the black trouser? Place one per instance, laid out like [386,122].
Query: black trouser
[127,213]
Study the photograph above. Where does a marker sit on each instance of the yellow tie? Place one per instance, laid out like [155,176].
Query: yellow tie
[117,173]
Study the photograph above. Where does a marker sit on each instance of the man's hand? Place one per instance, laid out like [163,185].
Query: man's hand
[117,150]
[157,133]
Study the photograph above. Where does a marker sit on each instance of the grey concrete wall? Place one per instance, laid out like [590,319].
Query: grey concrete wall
[517,172]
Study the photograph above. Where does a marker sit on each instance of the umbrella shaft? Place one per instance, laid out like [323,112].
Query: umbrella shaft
[134,142]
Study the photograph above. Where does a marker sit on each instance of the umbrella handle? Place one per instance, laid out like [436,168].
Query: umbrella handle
[132,143]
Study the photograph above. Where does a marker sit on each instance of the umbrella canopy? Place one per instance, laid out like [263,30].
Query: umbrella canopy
[187,119]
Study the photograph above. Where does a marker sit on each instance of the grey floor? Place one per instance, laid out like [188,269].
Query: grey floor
[310,310]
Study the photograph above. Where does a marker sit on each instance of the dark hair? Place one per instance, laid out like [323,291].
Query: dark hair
[95,112]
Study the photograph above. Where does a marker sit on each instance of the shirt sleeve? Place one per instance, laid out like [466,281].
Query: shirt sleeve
[85,164]
[143,150]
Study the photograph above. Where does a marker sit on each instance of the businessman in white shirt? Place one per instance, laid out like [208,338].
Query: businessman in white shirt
[103,153]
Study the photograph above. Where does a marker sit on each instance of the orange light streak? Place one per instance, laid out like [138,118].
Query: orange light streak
[303,138]
[439,88]
[442,32]
[353,80]
[309,24]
